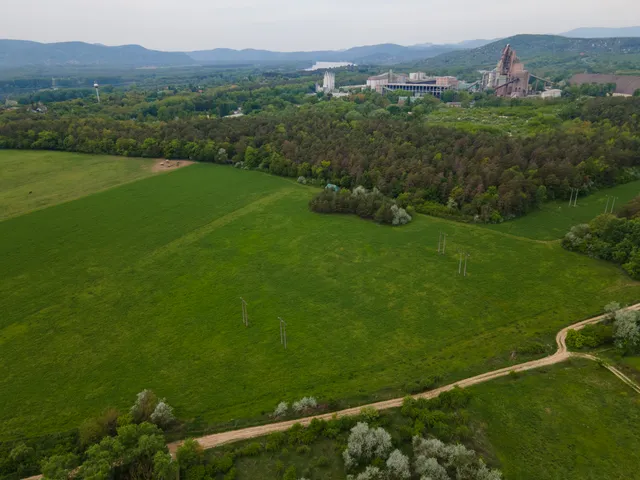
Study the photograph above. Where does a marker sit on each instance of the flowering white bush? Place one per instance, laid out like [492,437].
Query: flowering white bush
[398,466]
[163,414]
[304,403]
[400,215]
[433,459]
[145,405]
[302,180]
[371,473]
[281,409]
[429,469]
[365,444]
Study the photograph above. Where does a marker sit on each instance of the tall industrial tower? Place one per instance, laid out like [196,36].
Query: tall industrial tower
[329,84]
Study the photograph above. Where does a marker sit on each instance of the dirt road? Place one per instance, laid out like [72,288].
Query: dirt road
[560,355]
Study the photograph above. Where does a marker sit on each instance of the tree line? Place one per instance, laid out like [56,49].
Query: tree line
[481,176]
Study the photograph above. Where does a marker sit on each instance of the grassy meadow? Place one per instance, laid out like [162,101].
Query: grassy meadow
[30,180]
[138,287]
[554,219]
[574,420]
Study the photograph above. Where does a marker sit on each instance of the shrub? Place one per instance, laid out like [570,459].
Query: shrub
[369,414]
[275,441]
[281,409]
[305,403]
[365,444]
[370,473]
[626,330]
[398,465]
[145,405]
[428,467]
[303,449]
[94,429]
[164,468]
[302,180]
[59,467]
[231,475]
[321,462]
[433,459]
[222,464]
[250,450]
[189,453]
[535,348]
[290,474]
[591,336]
[163,414]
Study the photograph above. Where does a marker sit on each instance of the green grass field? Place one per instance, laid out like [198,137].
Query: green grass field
[54,177]
[555,219]
[137,287]
[575,420]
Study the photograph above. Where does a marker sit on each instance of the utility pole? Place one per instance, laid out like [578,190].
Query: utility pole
[606,208]
[465,263]
[245,317]
[283,332]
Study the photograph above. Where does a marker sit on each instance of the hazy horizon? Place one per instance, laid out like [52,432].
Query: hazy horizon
[299,25]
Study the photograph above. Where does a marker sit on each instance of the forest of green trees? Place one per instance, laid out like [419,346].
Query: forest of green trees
[364,140]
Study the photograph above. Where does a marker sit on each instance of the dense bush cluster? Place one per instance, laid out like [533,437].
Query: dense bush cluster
[365,444]
[591,336]
[365,204]
[626,328]
[620,326]
[608,238]
[487,176]
[438,461]
[305,404]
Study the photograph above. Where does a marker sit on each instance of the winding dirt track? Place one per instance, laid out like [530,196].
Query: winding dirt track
[562,354]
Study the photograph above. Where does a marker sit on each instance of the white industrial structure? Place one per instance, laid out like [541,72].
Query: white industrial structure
[329,83]
[417,83]
[97,87]
[552,93]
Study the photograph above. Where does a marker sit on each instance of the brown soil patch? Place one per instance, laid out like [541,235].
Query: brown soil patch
[162,165]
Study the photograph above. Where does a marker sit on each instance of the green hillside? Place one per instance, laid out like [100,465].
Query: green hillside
[548,53]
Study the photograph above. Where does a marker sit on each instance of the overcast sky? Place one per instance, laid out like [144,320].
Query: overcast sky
[290,25]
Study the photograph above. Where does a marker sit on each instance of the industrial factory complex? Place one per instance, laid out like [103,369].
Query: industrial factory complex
[418,83]
[509,79]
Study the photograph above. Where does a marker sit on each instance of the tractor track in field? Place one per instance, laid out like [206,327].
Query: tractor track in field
[561,355]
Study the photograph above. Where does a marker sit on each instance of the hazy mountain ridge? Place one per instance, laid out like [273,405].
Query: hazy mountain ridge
[602,32]
[19,53]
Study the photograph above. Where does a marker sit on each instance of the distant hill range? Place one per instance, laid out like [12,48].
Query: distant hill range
[387,53]
[18,53]
[472,53]
[603,32]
